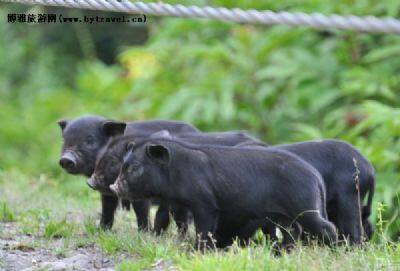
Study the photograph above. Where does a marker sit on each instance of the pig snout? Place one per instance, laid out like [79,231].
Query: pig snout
[68,161]
[96,183]
[115,189]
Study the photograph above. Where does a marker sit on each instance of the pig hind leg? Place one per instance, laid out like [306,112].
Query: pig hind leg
[368,229]
[206,223]
[291,231]
[349,222]
[318,227]
[269,230]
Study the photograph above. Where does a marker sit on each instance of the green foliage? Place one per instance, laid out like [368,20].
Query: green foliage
[283,84]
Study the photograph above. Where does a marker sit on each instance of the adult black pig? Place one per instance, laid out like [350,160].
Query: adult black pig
[110,160]
[226,183]
[84,137]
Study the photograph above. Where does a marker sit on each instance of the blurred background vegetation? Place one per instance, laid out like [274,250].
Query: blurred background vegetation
[280,83]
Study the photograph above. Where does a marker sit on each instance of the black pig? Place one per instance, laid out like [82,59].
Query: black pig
[334,160]
[84,137]
[228,184]
[110,161]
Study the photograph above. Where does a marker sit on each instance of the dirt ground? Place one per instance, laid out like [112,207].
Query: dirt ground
[24,252]
[21,252]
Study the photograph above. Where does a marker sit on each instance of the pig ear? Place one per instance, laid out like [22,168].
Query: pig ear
[162,133]
[158,153]
[113,128]
[62,124]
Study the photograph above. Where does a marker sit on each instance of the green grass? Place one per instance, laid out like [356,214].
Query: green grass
[30,220]
[58,213]
[5,213]
[58,229]
[129,265]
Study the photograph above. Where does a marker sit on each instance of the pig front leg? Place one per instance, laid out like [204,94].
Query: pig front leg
[181,217]
[142,209]
[161,221]
[206,223]
[108,206]
[125,204]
